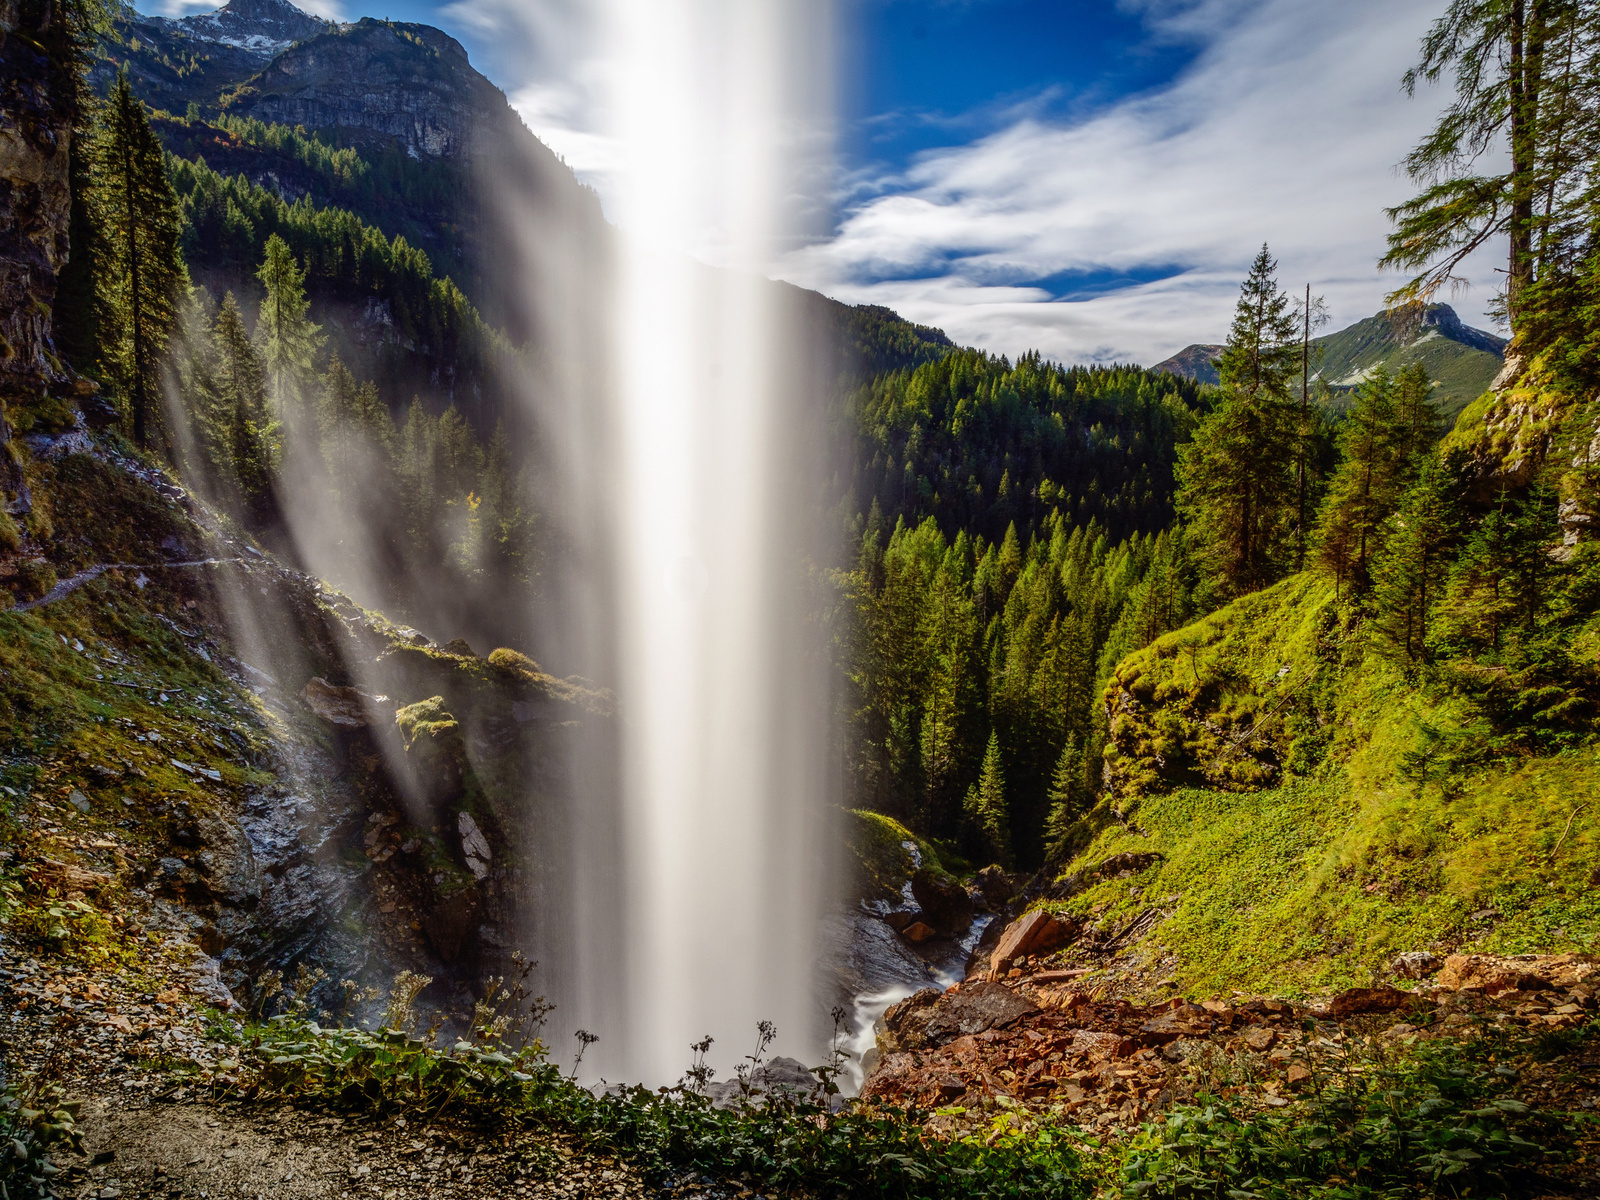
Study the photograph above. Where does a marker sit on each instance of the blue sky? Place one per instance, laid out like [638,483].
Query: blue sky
[1088,177]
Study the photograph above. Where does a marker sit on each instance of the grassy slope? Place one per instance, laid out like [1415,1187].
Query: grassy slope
[1462,372]
[1304,857]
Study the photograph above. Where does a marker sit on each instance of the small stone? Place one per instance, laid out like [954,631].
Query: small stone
[79,801]
[1296,1076]
[919,931]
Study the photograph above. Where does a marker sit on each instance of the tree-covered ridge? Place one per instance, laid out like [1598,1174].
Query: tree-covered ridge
[979,444]
[426,201]
[228,221]
[973,670]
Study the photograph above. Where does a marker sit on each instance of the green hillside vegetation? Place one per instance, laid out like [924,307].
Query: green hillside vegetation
[1321,805]
[1461,370]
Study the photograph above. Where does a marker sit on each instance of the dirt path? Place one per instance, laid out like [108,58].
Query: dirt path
[67,586]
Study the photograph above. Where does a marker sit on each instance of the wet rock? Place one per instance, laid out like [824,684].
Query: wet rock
[451,922]
[459,647]
[931,1018]
[899,921]
[780,1075]
[474,847]
[944,902]
[1415,964]
[1037,932]
[996,887]
[918,932]
[342,707]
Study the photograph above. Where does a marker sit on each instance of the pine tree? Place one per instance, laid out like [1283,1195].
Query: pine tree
[1236,488]
[241,393]
[1068,798]
[1409,574]
[986,805]
[139,268]
[289,341]
[1504,578]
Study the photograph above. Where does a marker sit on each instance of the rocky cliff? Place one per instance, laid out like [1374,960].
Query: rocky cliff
[409,82]
[35,144]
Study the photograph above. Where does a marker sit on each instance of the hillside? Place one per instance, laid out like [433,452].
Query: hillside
[1197,362]
[1462,361]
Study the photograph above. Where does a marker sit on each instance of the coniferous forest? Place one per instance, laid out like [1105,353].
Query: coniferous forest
[1235,743]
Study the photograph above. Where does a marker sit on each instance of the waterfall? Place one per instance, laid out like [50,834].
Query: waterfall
[722,744]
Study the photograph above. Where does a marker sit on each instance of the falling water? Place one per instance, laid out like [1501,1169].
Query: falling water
[722,747]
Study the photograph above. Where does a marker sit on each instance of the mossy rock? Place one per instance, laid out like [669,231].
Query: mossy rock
[436,750]
[882,863]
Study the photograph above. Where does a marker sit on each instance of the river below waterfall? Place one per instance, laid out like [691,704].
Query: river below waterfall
[872,966]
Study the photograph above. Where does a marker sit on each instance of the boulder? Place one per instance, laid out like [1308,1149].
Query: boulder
[1355,1001]
[1494,975]
[944,902]
[918,932]
[1037,932]
[996,888]
[1415,964]
[931,1018]
[341,707]
[436,753]
[1182,1020]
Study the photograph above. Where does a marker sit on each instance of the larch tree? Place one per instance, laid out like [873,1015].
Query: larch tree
[1510,155]
[241,392]
[139,270]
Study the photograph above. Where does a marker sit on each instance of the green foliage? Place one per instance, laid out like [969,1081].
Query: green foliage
[1236,488]
[1438,1121]
[790,1143]
[979,445]
[949,643]
[36,1122]
[139,269]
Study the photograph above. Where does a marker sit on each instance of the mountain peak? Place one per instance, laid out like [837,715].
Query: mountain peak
[260,27]
[1197,362]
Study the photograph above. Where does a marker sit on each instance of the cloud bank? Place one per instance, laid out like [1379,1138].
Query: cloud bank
[1123,236]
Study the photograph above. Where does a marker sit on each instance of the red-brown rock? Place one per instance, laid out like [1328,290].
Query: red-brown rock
[1037,932]
[1355,1001]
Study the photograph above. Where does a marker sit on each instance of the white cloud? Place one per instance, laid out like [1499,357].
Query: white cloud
[1285,129]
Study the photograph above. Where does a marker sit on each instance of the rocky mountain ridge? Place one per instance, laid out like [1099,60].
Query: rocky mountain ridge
[1462,360]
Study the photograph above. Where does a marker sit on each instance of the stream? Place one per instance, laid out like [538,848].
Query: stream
[874,967]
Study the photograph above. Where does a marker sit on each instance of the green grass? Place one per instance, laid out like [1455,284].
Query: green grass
[1303,845]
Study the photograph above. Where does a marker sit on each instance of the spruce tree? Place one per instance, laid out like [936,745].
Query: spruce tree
[1366,486]
[1409,573]
[986,806]
[289,341]
[1068,798]
[1236,487]
[241,392]
[140,275]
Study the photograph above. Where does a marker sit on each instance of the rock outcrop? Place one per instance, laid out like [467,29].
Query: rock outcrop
[409,82]
[35,147]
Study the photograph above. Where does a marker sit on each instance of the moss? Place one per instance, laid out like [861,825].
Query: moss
[882,863]
[1348,857]
[10,535]
[511,660]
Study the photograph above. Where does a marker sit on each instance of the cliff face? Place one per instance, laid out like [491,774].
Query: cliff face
[35,141]
[407,82]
